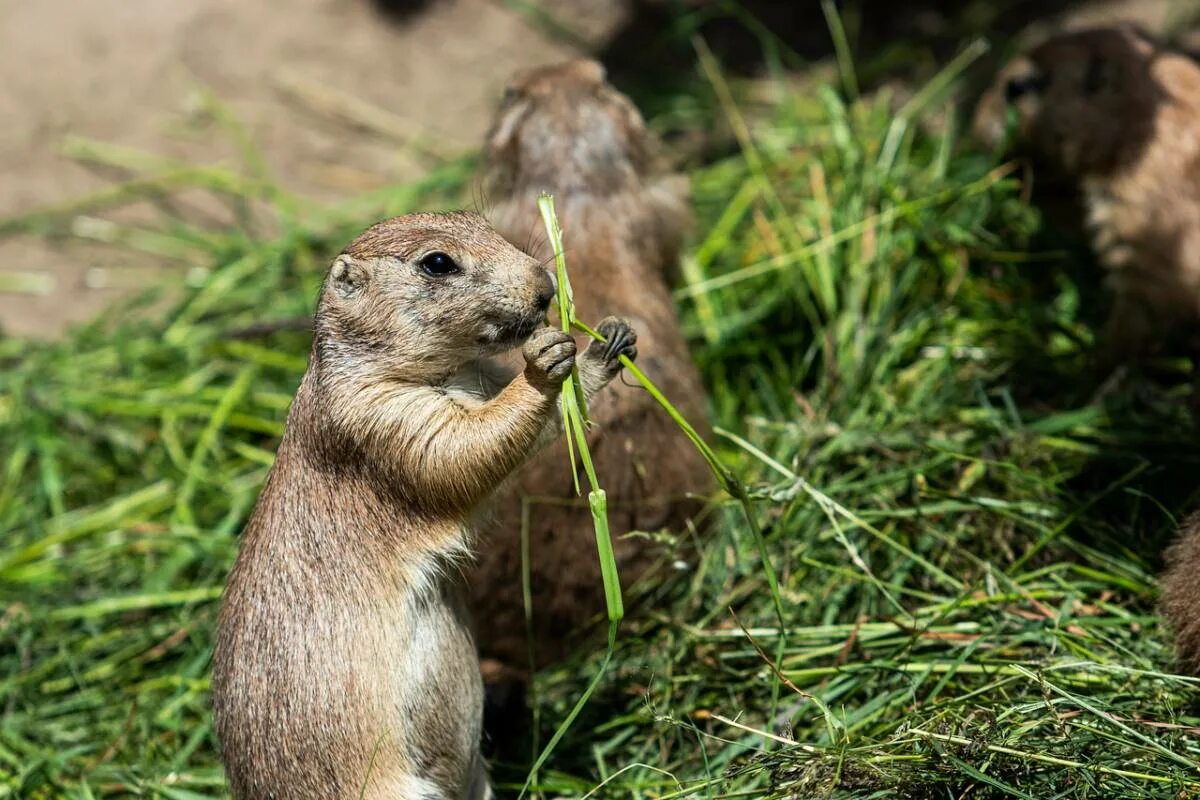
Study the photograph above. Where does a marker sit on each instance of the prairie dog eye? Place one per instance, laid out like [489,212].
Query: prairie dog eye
[438,264]
[1017,88]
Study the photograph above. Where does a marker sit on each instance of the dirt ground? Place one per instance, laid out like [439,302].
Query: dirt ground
[129,73]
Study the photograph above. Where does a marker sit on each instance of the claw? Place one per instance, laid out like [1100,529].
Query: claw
[617,343]
[619,337]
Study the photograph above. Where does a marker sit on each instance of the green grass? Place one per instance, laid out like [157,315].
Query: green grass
[965,532]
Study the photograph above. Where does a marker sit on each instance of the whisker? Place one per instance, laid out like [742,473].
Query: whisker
[545,261]
[478,197]
[533,230]
[484,199]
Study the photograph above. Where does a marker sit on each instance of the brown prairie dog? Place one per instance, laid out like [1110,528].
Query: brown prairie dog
[564,130]
[345,663]
[1180,602]
[1111,110]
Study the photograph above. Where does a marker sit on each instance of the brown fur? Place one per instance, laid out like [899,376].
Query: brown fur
[1180,603]
[563,129]
[344,657]
[1119,115]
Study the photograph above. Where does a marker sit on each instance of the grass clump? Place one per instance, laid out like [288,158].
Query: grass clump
[965,532]
[966,528]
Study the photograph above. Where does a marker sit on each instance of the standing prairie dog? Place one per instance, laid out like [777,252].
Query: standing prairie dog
[345,664]
[563,129]
[1119,115]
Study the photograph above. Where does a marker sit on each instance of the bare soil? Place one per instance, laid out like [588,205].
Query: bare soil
[130,73]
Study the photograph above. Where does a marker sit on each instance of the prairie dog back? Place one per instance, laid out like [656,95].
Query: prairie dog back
[564,130]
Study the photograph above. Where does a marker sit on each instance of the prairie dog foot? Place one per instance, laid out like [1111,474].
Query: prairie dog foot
[549,358]
[601,361]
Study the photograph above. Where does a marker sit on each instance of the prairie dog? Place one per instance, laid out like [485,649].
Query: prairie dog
[564,130]
[345,663]
[1119,115]
[1180,601]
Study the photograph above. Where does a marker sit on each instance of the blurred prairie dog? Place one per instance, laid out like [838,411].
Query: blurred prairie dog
[565,130]
[1180,601]
[345,664]
[1113,111]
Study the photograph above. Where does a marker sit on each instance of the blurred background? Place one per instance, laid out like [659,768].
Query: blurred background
[345,96]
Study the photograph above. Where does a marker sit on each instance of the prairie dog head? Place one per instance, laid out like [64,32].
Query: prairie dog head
[564,128]
[420,295]
[1081,102]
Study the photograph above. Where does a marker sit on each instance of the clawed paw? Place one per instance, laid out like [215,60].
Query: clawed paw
[620,339]
[549,357]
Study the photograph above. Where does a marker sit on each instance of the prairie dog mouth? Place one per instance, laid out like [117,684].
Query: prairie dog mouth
[512,333]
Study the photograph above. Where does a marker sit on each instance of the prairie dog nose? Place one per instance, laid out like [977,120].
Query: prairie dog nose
[547,290]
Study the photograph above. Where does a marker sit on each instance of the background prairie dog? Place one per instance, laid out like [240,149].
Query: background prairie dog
[1180,602]
[1119,115]
[563,129]
[345,661]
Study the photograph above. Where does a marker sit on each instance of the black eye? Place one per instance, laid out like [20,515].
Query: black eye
[1019,87]
[438,264]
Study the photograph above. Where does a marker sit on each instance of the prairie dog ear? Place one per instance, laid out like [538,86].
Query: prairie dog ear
[504,129]
[590,70]
[348,275]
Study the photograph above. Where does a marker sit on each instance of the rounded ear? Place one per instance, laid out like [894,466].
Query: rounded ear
[590,70]
[348,275]
[504,129]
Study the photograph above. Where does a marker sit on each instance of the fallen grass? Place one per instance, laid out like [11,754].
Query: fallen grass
[965,533]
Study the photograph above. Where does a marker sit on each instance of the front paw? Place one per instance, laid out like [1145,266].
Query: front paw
[620,339]
[549,358]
